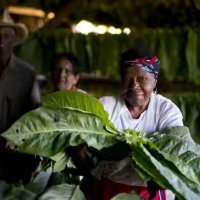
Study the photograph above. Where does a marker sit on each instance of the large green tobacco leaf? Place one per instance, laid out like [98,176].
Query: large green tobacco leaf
[177,147]
[161,169]
[78,101]
[164,174]
[172,179]
[75,101]
[48,131]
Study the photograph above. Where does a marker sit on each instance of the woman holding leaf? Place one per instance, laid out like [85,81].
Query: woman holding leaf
[138,107]
[115,161]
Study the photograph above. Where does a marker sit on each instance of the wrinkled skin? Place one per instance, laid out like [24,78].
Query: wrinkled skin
[138,86]
[63,77]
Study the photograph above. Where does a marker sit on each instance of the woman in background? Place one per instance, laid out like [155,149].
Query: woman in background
[65,72]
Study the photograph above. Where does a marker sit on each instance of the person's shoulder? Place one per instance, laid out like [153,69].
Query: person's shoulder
[23,65]
[108,99]
[161,98]
[111,103]
[167,112]
[164,102]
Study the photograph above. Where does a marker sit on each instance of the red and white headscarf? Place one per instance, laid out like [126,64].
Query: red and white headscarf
[149,65]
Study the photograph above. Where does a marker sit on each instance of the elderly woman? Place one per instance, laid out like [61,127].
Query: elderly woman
[65,72]
[137,107]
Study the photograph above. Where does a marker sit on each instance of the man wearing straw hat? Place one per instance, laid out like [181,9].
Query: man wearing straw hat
[19,93]
[18,89]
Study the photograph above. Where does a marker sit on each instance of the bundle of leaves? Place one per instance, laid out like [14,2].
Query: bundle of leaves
[170,158]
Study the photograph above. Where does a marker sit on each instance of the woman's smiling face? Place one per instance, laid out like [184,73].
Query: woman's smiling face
[63,75]
[138,86]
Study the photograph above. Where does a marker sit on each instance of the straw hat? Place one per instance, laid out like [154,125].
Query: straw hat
[21,30]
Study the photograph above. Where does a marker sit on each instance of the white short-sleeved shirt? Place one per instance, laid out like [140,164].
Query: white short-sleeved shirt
[161,112]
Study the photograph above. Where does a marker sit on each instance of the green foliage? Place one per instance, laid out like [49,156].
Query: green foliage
[192,56]
[58,125]
[99,54]
[63,192]
[183,154]
[189,104]
[56,192]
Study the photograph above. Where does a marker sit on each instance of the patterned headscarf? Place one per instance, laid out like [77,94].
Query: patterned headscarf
[151,65]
